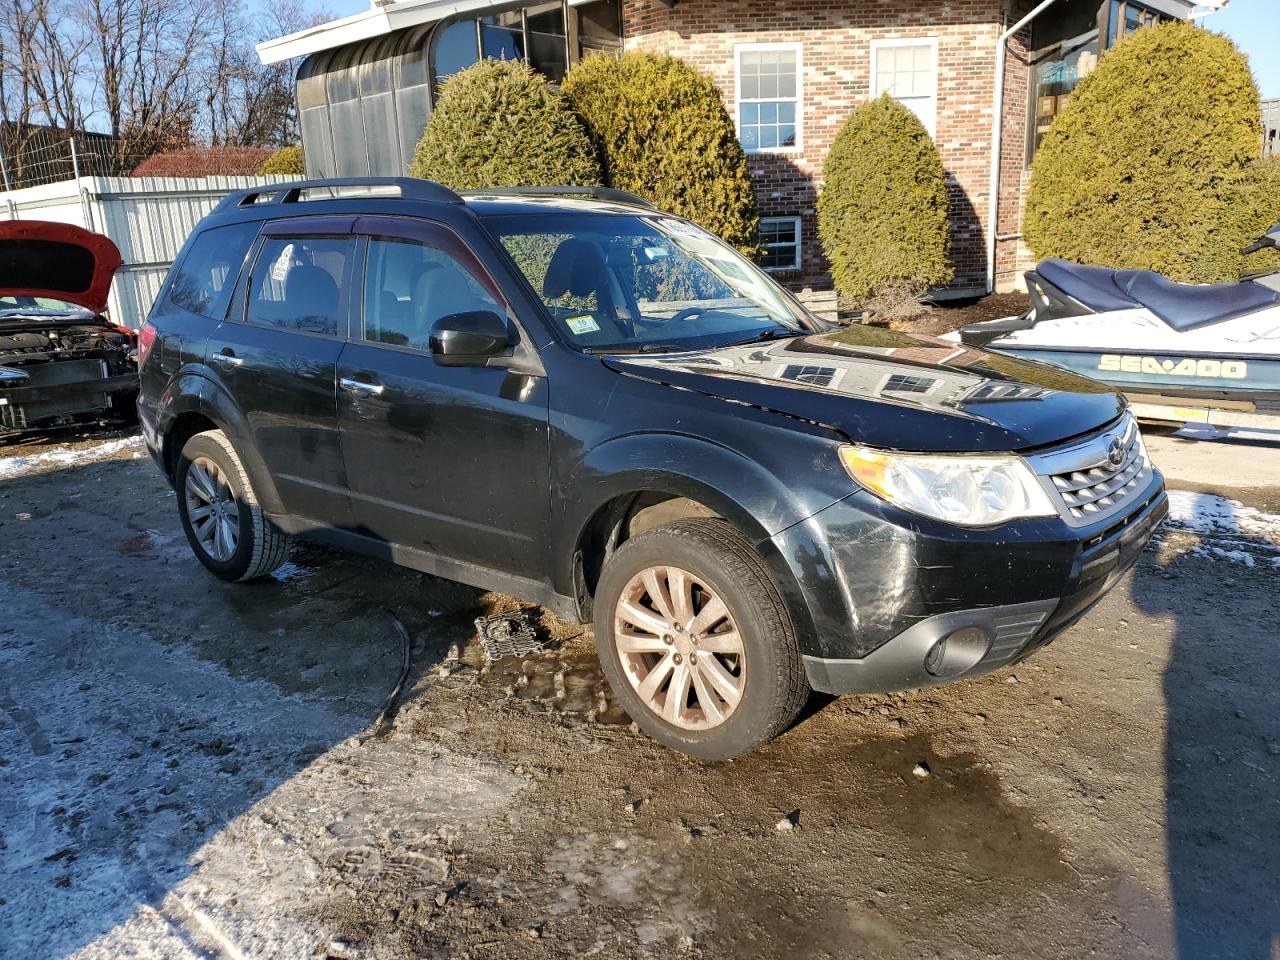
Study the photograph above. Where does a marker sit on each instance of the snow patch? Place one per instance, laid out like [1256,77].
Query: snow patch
[1227,529]
[67,456]
[157,806]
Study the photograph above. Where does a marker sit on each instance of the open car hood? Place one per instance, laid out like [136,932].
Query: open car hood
[889,389]
[57,260]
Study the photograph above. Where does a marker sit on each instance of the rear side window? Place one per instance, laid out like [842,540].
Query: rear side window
[297,284]
[409,286]
[203,281]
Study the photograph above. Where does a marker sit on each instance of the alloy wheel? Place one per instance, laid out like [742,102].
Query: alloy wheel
[212,509]
[679,648]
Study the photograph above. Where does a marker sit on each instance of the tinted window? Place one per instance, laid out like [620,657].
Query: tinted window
[203,281]
[455,49]
[297,283]
[408,287]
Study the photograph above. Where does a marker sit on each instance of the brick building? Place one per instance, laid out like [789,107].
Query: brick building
[790,72]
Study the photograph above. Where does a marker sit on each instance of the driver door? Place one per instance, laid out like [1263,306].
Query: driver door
[449,460]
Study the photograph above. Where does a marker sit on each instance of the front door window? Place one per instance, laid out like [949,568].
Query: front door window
[409,286]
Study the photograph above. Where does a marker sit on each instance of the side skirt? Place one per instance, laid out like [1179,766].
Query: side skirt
[483,578]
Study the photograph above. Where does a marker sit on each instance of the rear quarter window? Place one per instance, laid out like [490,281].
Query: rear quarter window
[202,282]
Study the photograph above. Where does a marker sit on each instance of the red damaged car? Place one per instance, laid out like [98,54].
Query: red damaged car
[62,362]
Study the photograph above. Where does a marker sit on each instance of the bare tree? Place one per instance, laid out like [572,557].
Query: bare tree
[153,74]
[249,103]
[148,54]
[40,74]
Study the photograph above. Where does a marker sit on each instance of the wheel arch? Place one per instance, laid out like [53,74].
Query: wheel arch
[193,404]
[706,481]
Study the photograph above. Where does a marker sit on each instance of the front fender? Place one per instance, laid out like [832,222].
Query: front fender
[734,485]
[193,390]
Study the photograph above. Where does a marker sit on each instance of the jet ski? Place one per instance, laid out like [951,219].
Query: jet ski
[1182,352]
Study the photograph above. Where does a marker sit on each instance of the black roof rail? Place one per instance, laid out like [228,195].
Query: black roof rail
[406,188]
[595,193]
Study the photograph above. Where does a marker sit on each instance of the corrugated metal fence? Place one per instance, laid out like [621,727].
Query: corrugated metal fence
[149,218]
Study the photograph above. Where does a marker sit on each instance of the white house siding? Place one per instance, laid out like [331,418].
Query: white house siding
[148,218]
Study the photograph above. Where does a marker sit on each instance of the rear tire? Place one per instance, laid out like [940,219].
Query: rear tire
[743,680]
[226,528]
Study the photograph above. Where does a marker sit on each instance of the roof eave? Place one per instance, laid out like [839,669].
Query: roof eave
[374,22]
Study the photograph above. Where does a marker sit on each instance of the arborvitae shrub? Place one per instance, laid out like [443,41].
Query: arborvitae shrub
[1261,211]
[1149,166]
[286,160]
[663,133]
[499,124]
[883,210]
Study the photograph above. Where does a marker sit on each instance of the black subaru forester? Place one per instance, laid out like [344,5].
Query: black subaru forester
[572,397]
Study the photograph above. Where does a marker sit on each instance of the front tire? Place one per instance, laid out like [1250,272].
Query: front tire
[696,642]
[226,528]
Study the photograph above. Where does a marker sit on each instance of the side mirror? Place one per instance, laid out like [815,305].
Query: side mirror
[469,339]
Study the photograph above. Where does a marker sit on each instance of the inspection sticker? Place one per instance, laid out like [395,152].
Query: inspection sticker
[584,323]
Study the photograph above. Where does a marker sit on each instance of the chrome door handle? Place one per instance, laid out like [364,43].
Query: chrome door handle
[230,359]
[358,388]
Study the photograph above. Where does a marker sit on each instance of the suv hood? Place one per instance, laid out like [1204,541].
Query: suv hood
[58,260]
[894,390]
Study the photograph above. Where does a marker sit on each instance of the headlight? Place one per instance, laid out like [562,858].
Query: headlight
[967,491]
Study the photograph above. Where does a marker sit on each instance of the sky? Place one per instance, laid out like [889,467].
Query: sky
[1253,24]
[1255,27]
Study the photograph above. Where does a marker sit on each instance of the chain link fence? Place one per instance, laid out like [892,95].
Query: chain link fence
[51,157]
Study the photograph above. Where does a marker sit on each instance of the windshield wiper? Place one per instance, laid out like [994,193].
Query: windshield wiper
[771,334]
[638,348]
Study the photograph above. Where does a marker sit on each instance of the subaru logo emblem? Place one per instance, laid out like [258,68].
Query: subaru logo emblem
[1115,452]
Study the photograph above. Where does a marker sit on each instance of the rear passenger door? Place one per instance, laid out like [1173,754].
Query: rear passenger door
[277,355]
[449,460]
[195,300]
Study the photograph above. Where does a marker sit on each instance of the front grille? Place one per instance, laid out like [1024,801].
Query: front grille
[1088,493]
[1088,485]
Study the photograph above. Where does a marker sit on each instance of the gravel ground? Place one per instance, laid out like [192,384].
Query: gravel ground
[188,770]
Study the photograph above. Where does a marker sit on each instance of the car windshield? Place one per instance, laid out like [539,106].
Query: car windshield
[628,283]
[11,306]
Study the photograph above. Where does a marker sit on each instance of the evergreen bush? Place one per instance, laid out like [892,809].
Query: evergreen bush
[1149,166]
[883,210]
[499,124]
[663,133]
[286,160]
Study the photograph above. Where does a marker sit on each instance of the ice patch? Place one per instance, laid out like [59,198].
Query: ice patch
[58,457]
[289,571]
[1228,530]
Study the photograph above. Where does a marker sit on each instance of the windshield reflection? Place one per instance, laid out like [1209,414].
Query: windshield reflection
[620,282]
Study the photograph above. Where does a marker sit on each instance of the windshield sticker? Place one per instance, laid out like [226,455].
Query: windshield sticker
[584,323]
[683,228]
[280,269]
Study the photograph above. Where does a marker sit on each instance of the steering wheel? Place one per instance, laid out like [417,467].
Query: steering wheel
[688,313]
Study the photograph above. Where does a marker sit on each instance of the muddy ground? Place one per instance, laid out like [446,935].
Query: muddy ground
[187,767]
[946,316]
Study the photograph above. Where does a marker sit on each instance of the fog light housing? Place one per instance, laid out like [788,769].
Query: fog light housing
[958,651]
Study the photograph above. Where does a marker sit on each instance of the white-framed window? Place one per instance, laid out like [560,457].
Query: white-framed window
[907,70]
[768,86]
[780,240]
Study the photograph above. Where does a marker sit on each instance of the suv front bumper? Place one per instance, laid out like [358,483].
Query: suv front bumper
[884,589]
